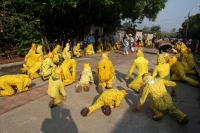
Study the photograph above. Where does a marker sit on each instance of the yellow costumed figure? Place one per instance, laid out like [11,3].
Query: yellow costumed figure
[100,47]
[67,65]
[189,59]
[89,49]
[105,73]
[12,83]
[56,52]
[161,99]
[77,50]
[86,79]
[47,67]
[147,43]
[109,99]
[141,64]
[178,72]
[33,72]
[186,65]
[108,47]
[39,50]
[56,88]
[162,70]
[30,59]
[66,53]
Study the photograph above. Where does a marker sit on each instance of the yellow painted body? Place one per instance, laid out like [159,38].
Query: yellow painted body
[34,70]
[10,83]
[141,64]
[89,49]
[110,98]
[56,52]
[69,77]
[161,99]
[56,89]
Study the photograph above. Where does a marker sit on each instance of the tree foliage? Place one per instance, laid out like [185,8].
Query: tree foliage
[155,28]
[23,22]
[193,27]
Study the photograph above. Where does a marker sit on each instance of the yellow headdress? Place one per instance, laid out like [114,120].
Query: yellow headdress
[87,65]
[104,55]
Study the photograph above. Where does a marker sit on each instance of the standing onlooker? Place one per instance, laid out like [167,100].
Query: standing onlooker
[125,43]
[131,41]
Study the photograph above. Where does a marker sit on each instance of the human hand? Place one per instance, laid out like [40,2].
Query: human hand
[135,110]
[64,98]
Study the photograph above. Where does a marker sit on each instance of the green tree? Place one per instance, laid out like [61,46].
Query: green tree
[155,28]
[173,30]
[145,30]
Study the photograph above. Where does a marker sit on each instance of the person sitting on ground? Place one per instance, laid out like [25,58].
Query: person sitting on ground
[56,87]
[161,99]
[109,99]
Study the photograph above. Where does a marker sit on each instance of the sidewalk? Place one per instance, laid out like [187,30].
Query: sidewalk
[29,111]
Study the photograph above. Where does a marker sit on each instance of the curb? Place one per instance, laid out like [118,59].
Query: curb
[11,64]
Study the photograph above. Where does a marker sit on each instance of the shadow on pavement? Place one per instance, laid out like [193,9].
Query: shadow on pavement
[60,122]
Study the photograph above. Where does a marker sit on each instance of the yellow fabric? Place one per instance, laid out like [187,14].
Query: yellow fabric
[190,60]
[39,50]
[86,77]
[18,81]
[35,68]
[77,50]
[161,99]
[105,71]
[109,47]
[67,65]
[31,51]
[56,88]
[141,64]
[111,97]
[66,54]
[56,53]
[47,67]
[162,70]
[100,47]
[178,72]
[89,49]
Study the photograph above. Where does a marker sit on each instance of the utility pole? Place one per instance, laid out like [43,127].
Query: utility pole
[187,24]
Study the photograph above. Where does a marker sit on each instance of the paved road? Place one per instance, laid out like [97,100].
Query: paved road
[29,112]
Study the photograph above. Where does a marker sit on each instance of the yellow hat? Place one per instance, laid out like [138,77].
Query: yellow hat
[87,65]
[130,34]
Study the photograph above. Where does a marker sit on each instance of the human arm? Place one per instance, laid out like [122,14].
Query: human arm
[143,97]
[62,90]
[131,69]
[173,85]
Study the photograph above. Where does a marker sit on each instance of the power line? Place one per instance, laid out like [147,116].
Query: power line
[193,6]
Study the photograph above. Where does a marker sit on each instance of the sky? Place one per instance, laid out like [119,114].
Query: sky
[173,15]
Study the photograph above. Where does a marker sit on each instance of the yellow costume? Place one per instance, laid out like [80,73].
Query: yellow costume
[77,50]
[56,88]
[108,47]
[100,47]
[30,59]
[108,99]
[147,43]
[33,72]
[162,70]
[141,64]
[86,79]
[161,99]
[189,59]
[105,73]
[186,66]
[67,65]
[39,50]
[178,72]
[89,49]
[118,45]
[66,53]
[47,67]
[56,52]
[11,83]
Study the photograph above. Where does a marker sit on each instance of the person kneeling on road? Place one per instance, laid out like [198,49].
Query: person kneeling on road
[161,99]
